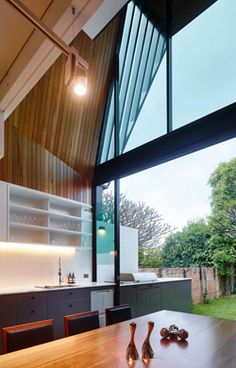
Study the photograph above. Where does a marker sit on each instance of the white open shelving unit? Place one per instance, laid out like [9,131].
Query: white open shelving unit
[32,216]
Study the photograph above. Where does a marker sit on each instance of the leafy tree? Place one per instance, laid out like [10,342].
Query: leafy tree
[149,223]
[222,221]
[151,258]
[223,199]
[189,247]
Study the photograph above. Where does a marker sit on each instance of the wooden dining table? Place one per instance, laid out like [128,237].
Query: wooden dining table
[211,344]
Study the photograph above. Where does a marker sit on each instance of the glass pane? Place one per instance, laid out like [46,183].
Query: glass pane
[126,34]
[204,57]
[107,143]
[142,94]
[151,121]
[105,232]
[141,87]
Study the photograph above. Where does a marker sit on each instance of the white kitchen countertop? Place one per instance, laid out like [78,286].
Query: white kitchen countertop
[158,281]
[30,289]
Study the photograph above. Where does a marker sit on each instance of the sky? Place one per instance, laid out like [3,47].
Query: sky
[204,80]
[178,189]
[203,74]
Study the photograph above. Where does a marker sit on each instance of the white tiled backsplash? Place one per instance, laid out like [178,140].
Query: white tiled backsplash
[25,268]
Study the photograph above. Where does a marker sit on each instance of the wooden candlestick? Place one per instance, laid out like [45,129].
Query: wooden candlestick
[131,351]
[147,352]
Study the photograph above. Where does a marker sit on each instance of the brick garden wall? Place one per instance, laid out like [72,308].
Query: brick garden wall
[204,280]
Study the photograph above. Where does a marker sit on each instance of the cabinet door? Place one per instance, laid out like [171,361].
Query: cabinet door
[7,313]
[31,307]
[143,300]
[57,311]
[31,299]
[176,295]
[29,313]
[128,295]
[155,298]
[66,302]
[67,295]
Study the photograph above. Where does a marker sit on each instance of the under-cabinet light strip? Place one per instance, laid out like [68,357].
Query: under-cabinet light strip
[37,248]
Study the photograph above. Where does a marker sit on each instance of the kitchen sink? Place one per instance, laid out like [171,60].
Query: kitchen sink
[56,286]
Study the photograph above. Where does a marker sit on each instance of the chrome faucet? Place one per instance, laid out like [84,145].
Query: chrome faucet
[59,272]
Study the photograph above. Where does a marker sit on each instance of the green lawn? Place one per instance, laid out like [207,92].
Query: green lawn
[224,307]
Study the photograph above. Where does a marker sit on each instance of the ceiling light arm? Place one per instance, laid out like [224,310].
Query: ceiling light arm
[52,36]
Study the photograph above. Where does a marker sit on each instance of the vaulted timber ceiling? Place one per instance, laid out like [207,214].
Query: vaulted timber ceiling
[13,37]
[62,123]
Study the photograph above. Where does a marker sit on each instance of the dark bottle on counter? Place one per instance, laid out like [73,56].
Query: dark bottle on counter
[73,278]
[70,280]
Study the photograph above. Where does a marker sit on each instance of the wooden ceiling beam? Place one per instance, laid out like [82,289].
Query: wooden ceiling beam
[39,54]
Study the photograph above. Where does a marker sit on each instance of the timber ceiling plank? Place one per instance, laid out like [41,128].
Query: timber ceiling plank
[62,123]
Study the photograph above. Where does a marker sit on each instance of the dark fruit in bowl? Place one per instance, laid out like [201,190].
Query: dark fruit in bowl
[183,334]
[173,329]
[164,332]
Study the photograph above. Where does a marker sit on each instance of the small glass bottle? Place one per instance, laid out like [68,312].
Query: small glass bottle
[69,278]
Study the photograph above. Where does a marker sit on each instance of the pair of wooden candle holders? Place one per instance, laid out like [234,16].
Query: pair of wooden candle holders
[147,352]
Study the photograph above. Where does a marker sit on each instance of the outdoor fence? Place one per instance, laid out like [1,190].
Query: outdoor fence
[205,281]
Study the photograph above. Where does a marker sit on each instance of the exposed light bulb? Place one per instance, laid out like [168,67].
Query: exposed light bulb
[76,73]
[80,90]
[80,86]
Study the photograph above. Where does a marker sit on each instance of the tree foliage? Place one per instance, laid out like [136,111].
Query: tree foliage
[200,243]
[151,258]
[212,243]
[222,221]
[149,223]
[189,247]
[223,199]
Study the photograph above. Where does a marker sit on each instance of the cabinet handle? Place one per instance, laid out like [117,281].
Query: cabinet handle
[33,311]
[32,297]
[71,293]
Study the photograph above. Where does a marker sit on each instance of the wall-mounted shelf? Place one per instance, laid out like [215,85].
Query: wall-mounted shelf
[36,217]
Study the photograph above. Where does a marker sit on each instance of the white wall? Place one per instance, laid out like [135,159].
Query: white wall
[30,267]
[128,249]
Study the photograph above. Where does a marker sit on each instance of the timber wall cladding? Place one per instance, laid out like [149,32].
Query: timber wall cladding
[26,163]
[66,125]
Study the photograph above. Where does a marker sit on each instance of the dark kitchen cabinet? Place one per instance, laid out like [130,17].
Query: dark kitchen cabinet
[155,298]
[176,296]
[7,313]
[143,300]
[128,295]
[150,298]
[31,307]
[66,302]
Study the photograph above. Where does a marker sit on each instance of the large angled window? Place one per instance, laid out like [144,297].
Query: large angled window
[204,58]
[141,86]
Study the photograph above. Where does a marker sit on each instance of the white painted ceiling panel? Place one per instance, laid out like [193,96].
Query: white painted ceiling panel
[103,16]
